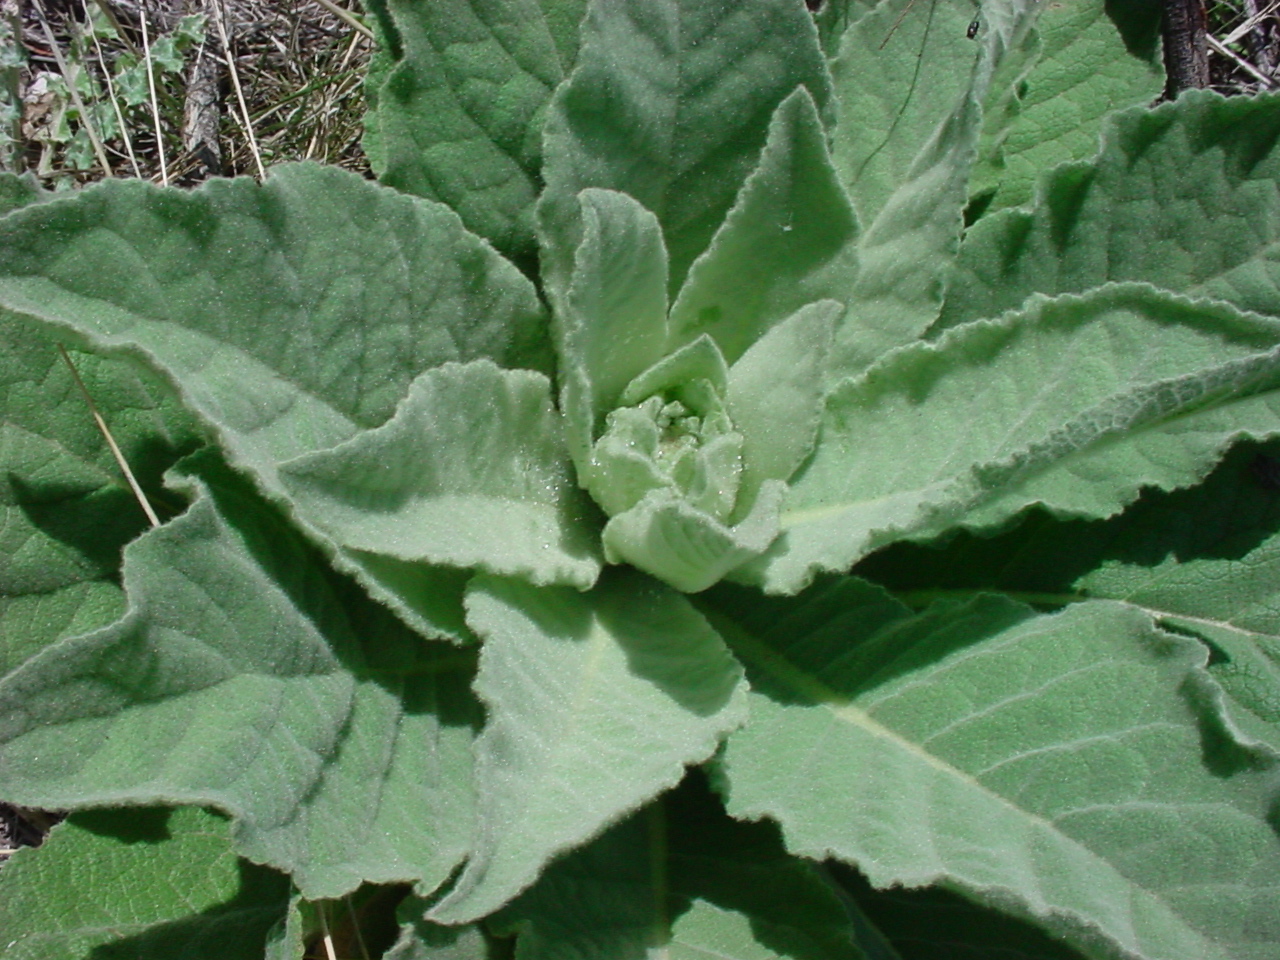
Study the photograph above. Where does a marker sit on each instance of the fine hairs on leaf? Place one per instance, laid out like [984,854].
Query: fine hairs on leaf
[745,482]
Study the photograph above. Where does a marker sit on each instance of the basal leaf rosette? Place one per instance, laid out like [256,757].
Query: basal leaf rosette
[686,453]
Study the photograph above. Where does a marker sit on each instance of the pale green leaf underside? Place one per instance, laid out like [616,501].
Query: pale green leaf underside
[657,107]
[457,114]
[157,884]
[1183,196]
[246,677]
[1032,762]
[470,472]
[596,702]
[1064,404]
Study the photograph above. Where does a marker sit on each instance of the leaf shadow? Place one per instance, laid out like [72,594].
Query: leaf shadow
[844,636]
[927,922]
[129,826]
[236,928]
[97,521]
[365,637]
[1230,514]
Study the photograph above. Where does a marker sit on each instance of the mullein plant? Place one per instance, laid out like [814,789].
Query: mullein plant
[745,482]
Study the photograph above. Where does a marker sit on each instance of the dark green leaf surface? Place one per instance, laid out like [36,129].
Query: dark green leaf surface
[138,884]
[245,675]
[670,102]
[18,191]
[457,109]
[1182,196]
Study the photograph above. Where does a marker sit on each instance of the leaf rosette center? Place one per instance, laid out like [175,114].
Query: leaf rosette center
[681,441]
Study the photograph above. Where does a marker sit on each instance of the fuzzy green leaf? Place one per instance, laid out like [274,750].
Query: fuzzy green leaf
[904,143]
[246,676]
[1031,762]
[65,509]
[1061,404]
[17,192]
[681,880]
[141,884]
[1204,560]
[289,316]
[788,241]
[471,472]
[421,939]
[262,303]
[1182,196]
[456,110]
[899,74]
[658,107]
[596,702]
[1093,57]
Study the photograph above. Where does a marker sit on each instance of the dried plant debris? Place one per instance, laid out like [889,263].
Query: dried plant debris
[146,88]
[20,827]
[1244,45]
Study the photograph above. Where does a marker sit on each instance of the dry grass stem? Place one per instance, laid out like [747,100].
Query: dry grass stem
[111,441]
[281,80]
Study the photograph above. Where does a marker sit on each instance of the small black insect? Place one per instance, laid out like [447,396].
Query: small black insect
[973,28]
